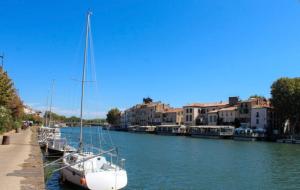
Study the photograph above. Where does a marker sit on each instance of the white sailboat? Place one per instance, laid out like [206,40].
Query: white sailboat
[88,169]
[50,136]
[46,132]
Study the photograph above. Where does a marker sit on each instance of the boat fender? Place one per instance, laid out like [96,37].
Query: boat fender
[82,181]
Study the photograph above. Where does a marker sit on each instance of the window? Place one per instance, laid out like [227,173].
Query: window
[199,110]
[187,110]
[186,118]
[191,110]
[190,117]
[257,114]
[257,121]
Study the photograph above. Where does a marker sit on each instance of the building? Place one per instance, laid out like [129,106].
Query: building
[173,116]
[147,113]
[228,116]
[213,117]
[28,110]
[245,107]
[261,117]
[128,117]
[150,113]
[197,113]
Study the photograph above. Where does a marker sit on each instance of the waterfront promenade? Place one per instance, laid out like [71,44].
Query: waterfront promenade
[21,162]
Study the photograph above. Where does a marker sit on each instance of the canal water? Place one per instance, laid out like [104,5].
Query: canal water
[156,162]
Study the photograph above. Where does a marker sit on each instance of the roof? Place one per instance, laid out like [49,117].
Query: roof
[213,111]
[232,108]
[261,106]
[173,110]
[213,104]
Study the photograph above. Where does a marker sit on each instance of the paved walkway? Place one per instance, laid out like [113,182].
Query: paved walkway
[21,162]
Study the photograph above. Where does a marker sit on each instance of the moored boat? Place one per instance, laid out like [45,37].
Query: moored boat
[206,131]
[171,130]
[91,169]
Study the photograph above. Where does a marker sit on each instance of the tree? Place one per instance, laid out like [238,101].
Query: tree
[6,121]
[12,108]
[33,117]
[286,101]
[16,106]
[113,116]
[6,89]
[257,96]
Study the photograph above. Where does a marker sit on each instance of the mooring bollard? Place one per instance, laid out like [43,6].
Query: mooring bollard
[5,140]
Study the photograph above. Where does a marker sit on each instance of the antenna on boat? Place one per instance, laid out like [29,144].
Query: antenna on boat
[89,13]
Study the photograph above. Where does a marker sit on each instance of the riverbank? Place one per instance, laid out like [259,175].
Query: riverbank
[21,162]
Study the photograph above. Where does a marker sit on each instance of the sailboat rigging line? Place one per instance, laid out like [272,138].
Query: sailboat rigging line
[99,139]
[83,160]
[91,136]
[45,116]
[55,161]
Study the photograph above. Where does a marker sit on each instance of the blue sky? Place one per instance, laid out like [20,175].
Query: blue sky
[174,51]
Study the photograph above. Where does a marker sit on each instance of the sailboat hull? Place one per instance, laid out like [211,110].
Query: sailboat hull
[73,176]
[105,180]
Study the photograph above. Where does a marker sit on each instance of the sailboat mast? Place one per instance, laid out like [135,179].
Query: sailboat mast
[83,78]
[45,115]
[50,116]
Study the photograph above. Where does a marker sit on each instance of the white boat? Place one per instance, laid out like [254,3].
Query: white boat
[50,136]
[58,146]
[45,134]
[86,168]
[248,134]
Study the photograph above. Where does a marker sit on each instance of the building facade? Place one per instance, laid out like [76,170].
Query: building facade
[245,107]
[149,113]
[173,116]
[197,113]
[227,116]
[261,117]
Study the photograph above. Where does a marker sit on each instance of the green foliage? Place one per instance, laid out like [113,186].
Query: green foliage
[32,117]
[257,96]
[55,117]
[7,89]
[286,100]
[16,124]
[12,108]
[6,119]
[113,116]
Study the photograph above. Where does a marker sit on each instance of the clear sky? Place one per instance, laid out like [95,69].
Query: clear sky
[174,51]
